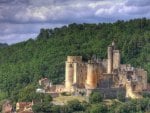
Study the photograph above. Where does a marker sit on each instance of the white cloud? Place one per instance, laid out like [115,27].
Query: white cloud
[21,17]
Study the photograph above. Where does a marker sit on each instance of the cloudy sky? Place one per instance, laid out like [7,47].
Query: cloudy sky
[22,19]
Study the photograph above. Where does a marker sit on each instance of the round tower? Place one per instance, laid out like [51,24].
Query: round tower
[110,59]
[69,76]
[91,81]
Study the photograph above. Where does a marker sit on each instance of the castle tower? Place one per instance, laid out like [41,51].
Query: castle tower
[116,59]
[69,76]
[70,72]
[92,77]
[110,59]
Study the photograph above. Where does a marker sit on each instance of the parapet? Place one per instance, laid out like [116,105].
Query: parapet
[74,59]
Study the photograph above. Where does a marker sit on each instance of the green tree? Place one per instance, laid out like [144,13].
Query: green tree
[95,97]
[75,105]
[98,108]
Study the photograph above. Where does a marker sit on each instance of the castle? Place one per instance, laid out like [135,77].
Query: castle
[108,76]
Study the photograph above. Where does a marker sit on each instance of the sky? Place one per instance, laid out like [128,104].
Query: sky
[23,19]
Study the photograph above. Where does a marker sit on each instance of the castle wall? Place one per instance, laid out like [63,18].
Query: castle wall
[107,81]
[142,78]
[110,93]
[80,73]
[100,71]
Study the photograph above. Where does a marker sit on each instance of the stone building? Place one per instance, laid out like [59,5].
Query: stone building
[108,76]
[105,74]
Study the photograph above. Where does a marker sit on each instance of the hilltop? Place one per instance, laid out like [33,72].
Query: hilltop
[23,64]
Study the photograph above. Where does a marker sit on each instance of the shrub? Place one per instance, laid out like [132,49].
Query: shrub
[95,97]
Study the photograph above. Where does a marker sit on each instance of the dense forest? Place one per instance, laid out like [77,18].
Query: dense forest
[24,63]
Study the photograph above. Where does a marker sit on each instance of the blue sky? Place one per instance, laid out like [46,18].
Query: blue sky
[22,19]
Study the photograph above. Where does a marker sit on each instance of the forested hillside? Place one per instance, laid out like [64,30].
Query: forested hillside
[24,63]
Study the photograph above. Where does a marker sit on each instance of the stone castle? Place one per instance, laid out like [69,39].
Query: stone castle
[108,76]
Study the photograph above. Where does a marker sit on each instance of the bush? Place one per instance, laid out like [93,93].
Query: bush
[146,95]
[95,97]
[75,105]
[42,108]
[121,97]
[98,108]
[47,98]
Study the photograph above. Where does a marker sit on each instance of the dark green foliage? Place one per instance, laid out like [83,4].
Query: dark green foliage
[98,108]
[75,105]
[56,109]
[132,106]
[42,108]
[146,94]
[24,63]
[121,97]
[47,98]
[95,97]
[65,109]
[29,94]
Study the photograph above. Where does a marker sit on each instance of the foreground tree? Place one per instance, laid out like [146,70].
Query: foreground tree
[95,97]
